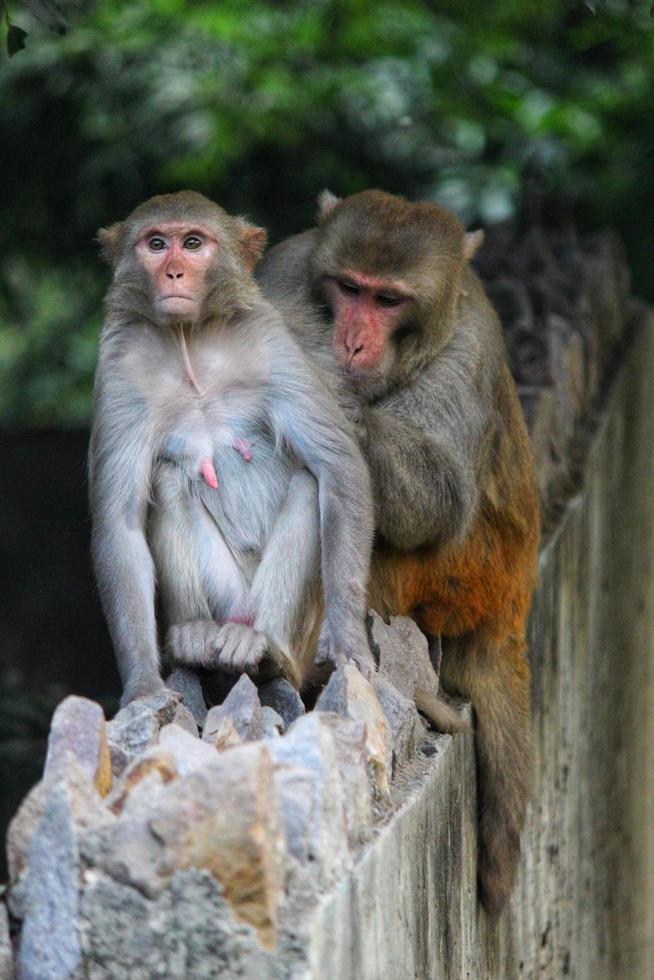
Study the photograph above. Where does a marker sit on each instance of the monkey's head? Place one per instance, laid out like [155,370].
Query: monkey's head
[179,258]
[390,272]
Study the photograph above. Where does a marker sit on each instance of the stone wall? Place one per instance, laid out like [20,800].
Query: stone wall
[271,843]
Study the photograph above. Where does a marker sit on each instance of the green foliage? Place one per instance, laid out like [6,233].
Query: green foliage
[261,105]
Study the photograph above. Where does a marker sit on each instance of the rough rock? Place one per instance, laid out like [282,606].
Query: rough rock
[189,753]
[187,683]
[224,736]
[280,695]
[188,933]
[403,720]
[350,695]
[184,719]
[309,785]
[273,724]
[350,742]
[243,708]
[85,804]
[49,945]
[157,765]
[6,950]
[223,817]
[402,654]
[136,727]
[78,727]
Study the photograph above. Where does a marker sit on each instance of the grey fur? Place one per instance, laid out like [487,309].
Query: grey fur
[257,543]
[424,438]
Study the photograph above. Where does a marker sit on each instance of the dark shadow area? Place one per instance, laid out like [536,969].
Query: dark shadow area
[54,641]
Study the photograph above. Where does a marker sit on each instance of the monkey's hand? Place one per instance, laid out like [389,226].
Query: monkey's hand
[235,647]
[240,648]
[338,651]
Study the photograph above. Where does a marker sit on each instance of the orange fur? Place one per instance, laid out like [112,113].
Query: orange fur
[476,593]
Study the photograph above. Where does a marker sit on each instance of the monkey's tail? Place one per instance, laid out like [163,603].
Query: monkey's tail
[495,678]
[441,715]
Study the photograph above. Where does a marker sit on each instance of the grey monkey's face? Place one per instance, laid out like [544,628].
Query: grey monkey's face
[177,258]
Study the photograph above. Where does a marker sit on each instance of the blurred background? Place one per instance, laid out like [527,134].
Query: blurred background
[259,105]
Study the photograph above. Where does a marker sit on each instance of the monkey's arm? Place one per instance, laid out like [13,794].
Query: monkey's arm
[120,460]
[283,594]
[317,432]
[423,445]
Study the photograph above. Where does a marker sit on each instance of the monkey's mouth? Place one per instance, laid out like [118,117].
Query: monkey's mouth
[177,296]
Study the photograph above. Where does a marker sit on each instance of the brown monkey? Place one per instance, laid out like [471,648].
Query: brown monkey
[384,288]
[218,461]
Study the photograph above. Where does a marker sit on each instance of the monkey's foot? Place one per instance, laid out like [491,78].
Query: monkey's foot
[194,644]
[330,650]
[141,688]
[242,649]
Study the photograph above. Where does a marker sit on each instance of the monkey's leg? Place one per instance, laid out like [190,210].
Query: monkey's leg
[284,595]
[197,577]
[494,675]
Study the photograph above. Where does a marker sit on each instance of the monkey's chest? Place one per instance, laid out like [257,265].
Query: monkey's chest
[251,473]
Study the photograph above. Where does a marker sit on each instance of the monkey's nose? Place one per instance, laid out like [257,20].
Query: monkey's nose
[174,275]
[351,348]
[352,352]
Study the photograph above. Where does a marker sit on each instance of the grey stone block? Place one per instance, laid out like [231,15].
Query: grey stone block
[136,727]
[84,802]
[78,727]
[242,707]
[280,695]
[402,654]
[350,695]
[350,742]
[273,724]
[403,720]
[49,945]
[223,817]
[309,785]
[189,931]
[187,683]
[189,753]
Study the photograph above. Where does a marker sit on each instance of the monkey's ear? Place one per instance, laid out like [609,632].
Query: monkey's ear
[472,241]
[109,239]
[326,203]
[251,244]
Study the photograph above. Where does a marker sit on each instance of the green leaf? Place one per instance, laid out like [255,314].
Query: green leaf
[15,39]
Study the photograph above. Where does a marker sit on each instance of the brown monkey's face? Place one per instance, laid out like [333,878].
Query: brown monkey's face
[367,311]
[177,257]
[389,270]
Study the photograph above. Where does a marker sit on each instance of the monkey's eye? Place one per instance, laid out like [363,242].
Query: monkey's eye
[347,287]
[156,244]
[193,243]
[387,301]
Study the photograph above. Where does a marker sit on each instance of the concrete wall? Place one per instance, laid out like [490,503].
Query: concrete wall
[584,904]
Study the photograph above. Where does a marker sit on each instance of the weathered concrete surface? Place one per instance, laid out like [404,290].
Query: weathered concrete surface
[584,903]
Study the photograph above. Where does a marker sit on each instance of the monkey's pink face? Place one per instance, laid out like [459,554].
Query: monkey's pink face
[177,257]
[367,311]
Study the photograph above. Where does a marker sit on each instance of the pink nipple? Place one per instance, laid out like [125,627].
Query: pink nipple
[208,473]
